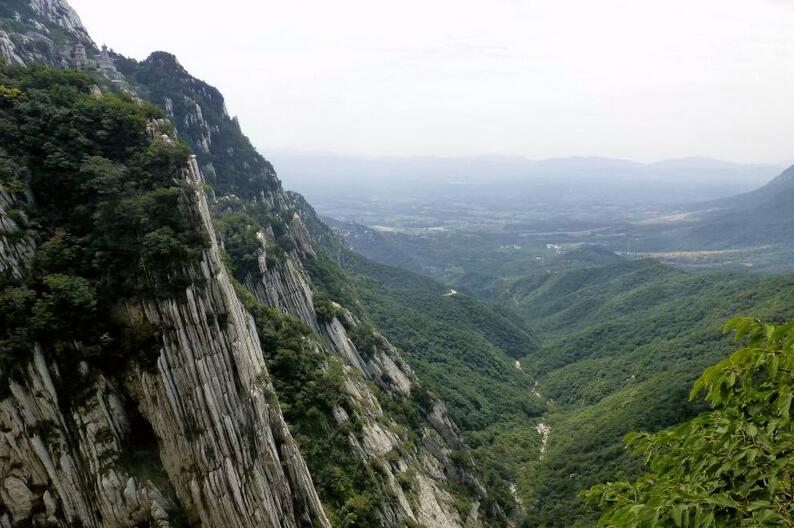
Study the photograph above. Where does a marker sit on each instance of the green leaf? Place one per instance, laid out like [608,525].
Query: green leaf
[706,471]
[675,513]
[774,364]
[751,429]
[784,405]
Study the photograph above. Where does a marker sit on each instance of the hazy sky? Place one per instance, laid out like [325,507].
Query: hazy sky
[640,79]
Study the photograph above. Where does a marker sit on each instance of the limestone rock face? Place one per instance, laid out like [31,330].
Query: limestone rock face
[194,437]
[427,469]
[62,15]
[45,31]
[58,468]
[50,32]
[225,448]
[8,50]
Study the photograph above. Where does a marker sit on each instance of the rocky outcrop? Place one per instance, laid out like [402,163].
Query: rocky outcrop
[61,14]
[225,448]
[195,437]
[284,287]
[45,31]
[16,250]
[8,50]
[417,480]
[61,467]
[244,181]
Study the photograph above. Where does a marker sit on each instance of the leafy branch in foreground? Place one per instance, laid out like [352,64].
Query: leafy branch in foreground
[732,466]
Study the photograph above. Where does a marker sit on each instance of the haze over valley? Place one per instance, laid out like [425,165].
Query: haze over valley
[675,210]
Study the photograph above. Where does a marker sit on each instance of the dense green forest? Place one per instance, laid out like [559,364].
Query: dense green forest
[622,345]
[461,348]
[730,466]
[107,217]
[612,346]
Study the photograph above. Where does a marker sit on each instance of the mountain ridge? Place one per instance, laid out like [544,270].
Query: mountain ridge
[515,166]
[758,217]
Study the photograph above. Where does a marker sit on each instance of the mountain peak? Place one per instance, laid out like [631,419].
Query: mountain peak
[164,59]
[786,178]
[44,31]
[61,14]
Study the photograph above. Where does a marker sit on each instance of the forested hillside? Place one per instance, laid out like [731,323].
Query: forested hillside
[730,466]
[463,349]
[622,345]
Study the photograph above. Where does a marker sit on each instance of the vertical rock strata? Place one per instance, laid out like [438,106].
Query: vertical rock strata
[286,286]
[227,451]
[222,453]
[243,180]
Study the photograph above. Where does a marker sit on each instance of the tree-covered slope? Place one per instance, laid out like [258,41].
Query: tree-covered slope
[463,349]
[622,341]
[622,345]
[464,346]
[104,215]
[730,466]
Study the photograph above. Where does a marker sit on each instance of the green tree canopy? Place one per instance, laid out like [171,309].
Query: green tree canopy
[729,467]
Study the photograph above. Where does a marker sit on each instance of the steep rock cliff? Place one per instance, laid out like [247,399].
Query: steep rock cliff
[187,438]
[416,479]
[244,182]
[62,15]
[43,31]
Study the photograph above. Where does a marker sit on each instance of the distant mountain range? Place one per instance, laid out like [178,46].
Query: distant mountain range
[762,216]
[499,179]
[781,185]
[307,169]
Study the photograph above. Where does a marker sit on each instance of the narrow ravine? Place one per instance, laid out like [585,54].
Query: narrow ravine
[543,431]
